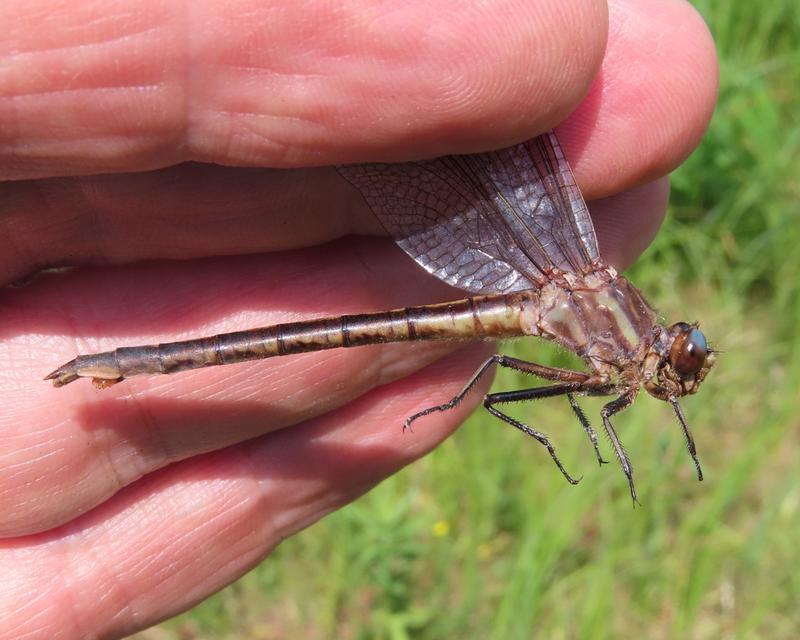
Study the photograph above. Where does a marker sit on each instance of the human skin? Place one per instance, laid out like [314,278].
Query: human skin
[122,507]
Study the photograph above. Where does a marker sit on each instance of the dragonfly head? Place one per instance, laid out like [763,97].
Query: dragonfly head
[678,361]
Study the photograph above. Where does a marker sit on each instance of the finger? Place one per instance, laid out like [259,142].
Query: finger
[627,222]
[99,88]
[192,210]
[195,211]
[235,505]
[306,113]
[651,101]
[63,451]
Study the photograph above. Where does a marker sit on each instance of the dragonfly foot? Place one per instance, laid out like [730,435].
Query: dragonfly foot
[416,416]
[564,472]
[633,493]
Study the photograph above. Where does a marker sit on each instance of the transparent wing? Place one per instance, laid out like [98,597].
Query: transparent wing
[491,222]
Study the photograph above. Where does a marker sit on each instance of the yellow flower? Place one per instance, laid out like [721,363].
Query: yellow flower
[441,528]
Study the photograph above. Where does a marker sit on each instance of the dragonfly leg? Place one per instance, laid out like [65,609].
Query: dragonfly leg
[586,427]
[458,397]
[532,394]
[540,371]
[688,435]
[615,406]
[523,366]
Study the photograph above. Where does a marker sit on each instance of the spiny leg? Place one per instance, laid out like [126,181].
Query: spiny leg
[615,406]
[532,394]
[688,435]
[586,427]
[548,373]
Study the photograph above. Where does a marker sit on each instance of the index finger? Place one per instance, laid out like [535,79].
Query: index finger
[101,87]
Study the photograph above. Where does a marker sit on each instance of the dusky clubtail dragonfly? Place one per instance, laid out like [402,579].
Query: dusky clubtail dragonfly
[510,227]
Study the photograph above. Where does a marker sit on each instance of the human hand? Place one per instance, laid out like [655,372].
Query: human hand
[126,506]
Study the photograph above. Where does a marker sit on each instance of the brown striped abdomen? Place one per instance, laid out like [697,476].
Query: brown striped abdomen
[468,319]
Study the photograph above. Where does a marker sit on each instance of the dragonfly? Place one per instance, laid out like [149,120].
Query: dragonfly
[511,229]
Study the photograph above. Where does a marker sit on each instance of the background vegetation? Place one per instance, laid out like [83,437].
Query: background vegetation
[484,539]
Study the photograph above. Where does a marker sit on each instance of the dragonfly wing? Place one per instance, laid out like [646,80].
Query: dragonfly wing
[491,222]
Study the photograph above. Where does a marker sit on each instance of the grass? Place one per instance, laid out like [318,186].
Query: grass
[484,539]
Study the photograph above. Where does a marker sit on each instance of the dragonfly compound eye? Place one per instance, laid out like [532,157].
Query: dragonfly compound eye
[689,350]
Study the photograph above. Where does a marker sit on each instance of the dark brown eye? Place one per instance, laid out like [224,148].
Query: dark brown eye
[688,352]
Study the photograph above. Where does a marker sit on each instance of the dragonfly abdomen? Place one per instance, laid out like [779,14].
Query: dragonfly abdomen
[479,317]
